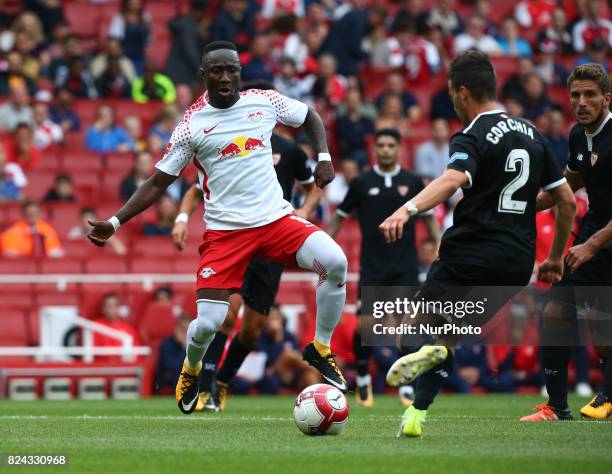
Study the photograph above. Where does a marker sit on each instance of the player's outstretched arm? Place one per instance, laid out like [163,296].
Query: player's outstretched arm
[551,270]
[546,201]
[189,204]
[314,128]
[436,192]
[149,192]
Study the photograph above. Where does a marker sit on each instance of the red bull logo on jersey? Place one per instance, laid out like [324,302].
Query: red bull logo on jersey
[240,146]
[255,116]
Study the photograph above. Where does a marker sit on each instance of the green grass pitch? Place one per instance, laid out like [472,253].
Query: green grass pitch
[464,434]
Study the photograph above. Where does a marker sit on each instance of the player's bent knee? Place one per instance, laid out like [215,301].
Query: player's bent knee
[211,315]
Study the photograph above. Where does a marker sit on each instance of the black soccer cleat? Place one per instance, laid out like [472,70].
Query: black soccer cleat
[326,366]
[188,388]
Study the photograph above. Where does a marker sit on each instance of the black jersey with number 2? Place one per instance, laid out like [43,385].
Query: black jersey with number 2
[507,161]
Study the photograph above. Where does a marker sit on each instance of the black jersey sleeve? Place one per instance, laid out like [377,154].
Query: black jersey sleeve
[552,176]
[574,163]
[301,170]
[351,200]
[464,155]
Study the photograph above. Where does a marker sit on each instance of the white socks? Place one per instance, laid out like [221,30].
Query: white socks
[211,314]
[321,254]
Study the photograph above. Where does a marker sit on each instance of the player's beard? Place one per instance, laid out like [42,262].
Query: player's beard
[597,120]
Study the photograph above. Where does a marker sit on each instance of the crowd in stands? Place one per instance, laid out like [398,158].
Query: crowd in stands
[91,91]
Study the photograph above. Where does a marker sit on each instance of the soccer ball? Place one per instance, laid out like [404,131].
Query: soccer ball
[321,409]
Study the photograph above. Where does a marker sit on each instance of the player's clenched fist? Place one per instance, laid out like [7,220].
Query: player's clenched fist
[579,254]
[179,235]
[393,226]
[101,232]
[324,173]
[550,271]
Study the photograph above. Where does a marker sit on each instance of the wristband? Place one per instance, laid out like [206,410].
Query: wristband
[324,157]
[115,222]
[412,209]
[182,217]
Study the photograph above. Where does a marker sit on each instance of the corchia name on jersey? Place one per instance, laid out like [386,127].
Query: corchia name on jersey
[506,126]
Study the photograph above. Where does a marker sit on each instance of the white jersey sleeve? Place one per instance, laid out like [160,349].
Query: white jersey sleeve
[289,111]
[179,151]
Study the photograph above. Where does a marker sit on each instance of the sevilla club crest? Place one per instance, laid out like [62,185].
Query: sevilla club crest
[402,190]
[594,157]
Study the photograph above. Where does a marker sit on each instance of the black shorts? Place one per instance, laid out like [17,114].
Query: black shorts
[261,282]
[454,282]
[367,277]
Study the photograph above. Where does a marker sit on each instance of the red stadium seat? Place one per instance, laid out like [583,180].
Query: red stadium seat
[49,163]
[86,108]
[152,265]
[92,293]
[79,248]
[154,247]
[39,183]
[14,330]
[83,18]
[106,264]
[63,217]
[18,266]
[81,161]
[17,296]
[57,299]
[61,265]
[157,322]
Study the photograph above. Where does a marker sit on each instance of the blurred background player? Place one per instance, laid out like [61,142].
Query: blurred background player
[261,279]
[374,195]
[501,162]
[589,261]
[226,134]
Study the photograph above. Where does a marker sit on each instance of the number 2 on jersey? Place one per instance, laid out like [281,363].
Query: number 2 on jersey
[506,203]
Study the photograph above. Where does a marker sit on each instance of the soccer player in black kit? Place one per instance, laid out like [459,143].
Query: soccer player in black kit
[501,162]
[374,195]
[589,261]
[261,279]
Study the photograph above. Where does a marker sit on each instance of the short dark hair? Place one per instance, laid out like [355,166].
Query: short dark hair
[389,132]
[29,202]
[216,45]
[591,72]
[63,177]
[473,70]
[88,210]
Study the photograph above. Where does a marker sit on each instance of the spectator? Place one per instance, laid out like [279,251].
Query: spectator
[596,52]
[427,253]
[77,79]
[106,136]
[60,65]
[557,136]
[475,37]
[411,13]
[256,65]
[558,33]
[12,179]
[535,101]
[288,82]
[80,231]
[443,17]
[513,87]
[535,13]
[131,26]
[392,116]
[153,85]
[55,48]
[62,190]
[189,33]
[345,39]
[113,52]
[13,75]
[171,356]
[143,167]
[284,367]
[484,9]
[233,23]
[113,83]
[271,9]
[133,126]
[110,317]
[333,84]
[417,55]
[305,43]
[163,294]
[27,23]
[395,85]
[553,73]
[591,27]
[46,131]
[185,96]
[26,44]
[20,149]
[442,106]
[352,130]
[50,13]
[31,236]
[337,189]
[165,213]
[471,369]
[17,110]
[431,157]
[62,112]
[375,44]
[510,41]
[164,124]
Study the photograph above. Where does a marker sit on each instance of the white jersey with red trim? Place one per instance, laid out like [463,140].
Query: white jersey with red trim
[232,152]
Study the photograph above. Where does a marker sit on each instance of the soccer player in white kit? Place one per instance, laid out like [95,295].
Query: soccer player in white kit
[226,135]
